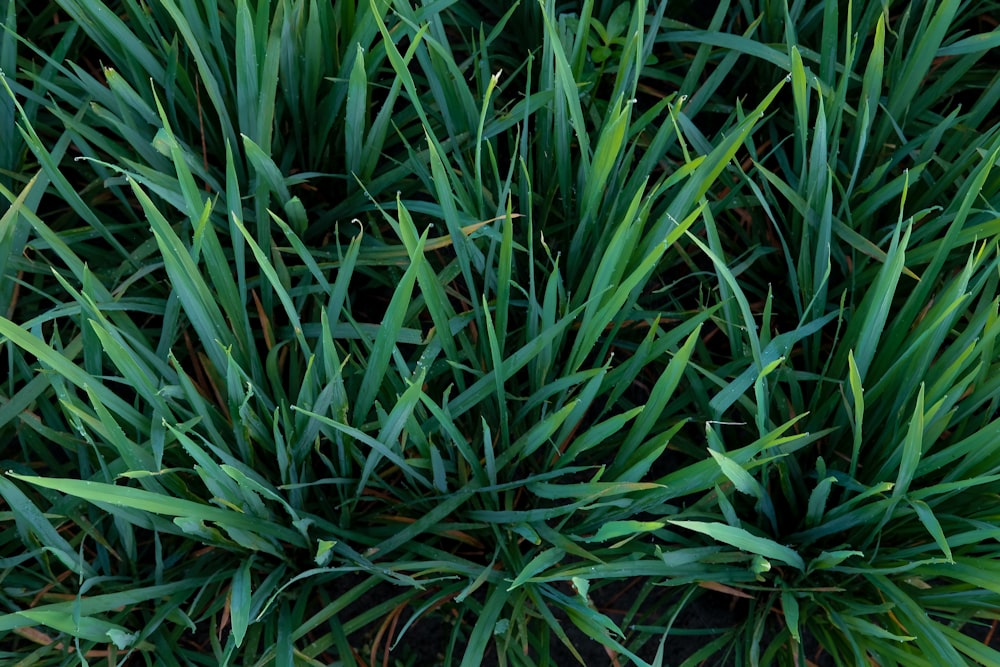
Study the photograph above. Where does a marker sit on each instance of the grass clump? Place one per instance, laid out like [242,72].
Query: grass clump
[419,333]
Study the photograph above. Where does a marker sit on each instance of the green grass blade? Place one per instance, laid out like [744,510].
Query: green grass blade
[745,541]
[112,495]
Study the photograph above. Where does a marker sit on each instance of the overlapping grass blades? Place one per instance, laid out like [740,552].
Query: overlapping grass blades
[326,326]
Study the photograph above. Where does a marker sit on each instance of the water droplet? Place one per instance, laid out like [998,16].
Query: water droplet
[788,79]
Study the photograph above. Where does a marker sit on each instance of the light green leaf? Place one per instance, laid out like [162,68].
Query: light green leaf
[539,563]
[239,602]
[615,529]
[745,541]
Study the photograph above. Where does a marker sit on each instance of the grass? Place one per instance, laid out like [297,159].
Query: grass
[423,333]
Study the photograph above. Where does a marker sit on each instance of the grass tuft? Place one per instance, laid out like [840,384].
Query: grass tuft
[429,333]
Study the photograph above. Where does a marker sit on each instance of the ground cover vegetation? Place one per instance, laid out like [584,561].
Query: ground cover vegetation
[411,333]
